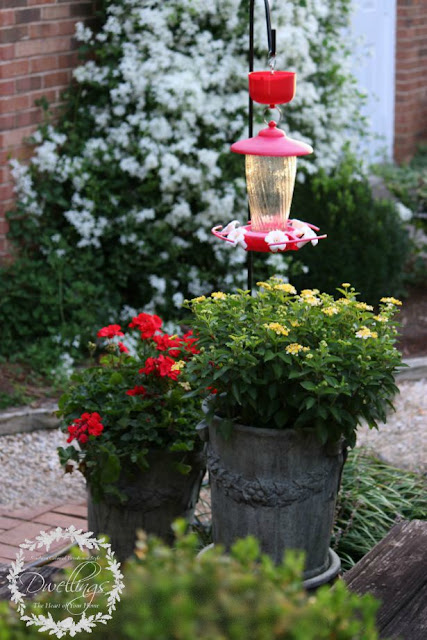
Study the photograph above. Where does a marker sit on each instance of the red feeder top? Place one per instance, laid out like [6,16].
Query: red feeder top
[271,141]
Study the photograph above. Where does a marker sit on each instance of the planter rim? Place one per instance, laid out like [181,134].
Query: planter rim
[262,431]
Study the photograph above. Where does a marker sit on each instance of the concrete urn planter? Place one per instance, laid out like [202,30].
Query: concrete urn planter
[155,498]
[279,486]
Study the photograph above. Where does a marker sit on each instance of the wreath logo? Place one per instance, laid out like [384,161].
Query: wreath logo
[69,625]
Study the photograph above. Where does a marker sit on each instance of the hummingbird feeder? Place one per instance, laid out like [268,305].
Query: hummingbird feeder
[270,159]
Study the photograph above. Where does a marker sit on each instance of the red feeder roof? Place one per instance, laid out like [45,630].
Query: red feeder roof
[273,142]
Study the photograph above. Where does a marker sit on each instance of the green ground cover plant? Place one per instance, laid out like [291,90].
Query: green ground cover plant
[172,594]
[374,496]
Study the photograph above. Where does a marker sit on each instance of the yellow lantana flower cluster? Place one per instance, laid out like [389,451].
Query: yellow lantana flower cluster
[364,307]
[277,328]
[330,311]
[286,287]
[391,300]
[218,295]
[295,348]
[365,333]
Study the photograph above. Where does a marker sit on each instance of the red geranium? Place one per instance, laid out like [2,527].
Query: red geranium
[168,343]
[122,348]
[190,341]
[110,331]
[161,367]
[89,424]
[147,324]
[138,390]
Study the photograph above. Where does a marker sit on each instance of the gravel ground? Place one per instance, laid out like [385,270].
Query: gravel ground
[30,474]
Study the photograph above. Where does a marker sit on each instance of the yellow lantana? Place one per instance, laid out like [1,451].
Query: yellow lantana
[295,348]
[218,295]
[286,287]
[363,306]
[381,318]
[344,301]
[177,366]
[264,285]
[365,333]
[277,328]
[330,311]
[199,299]
[391,301]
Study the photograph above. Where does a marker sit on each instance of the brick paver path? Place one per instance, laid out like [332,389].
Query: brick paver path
[16,526]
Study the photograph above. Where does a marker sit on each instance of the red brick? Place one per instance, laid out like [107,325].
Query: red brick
[7,52]
[27,15]
[60,520]
[25,118]
[6,191]
[30,3]
[50,29]
[24,531]
[60,78]
[16,68]
[43,63]
[7,87]
[79,510]
[13,34]
[28,513]
[4,228]
[68,60]
[7,122]
[14,137]
[55,12]
[6,523]
[14,103]
[7,18]
[30,83]
[13,4]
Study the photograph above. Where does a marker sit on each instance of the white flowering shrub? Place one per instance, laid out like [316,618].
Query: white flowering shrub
[117,203]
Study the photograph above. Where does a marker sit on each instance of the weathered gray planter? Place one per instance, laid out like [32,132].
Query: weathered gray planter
[156,497]
[279,486]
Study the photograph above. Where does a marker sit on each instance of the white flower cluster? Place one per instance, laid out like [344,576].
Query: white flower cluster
[177,97]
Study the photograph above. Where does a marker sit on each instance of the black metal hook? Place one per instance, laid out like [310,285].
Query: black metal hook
[271,33]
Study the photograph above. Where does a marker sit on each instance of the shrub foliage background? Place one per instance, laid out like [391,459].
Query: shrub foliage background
[116,206]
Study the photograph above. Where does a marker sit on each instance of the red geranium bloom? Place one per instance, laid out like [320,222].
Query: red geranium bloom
[190,342]
[122,348]
[138,390]
[161,367]
[88,423]
[147,324]
[110,331]
[167,343]
[150,366]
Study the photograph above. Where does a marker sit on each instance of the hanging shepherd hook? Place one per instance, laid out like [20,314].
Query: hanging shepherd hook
[271,40]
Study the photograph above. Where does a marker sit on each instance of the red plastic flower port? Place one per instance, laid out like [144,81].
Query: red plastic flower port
[147,324]
[110,331]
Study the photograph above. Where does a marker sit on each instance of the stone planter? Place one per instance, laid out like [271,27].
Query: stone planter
[156,497]
[279,486]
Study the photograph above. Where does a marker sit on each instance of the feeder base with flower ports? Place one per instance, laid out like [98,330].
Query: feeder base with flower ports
[295,235]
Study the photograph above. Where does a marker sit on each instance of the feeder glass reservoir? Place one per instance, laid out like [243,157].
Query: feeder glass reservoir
[270,183]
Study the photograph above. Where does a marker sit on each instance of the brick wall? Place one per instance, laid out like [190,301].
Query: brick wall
[411,78]
[37,55]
